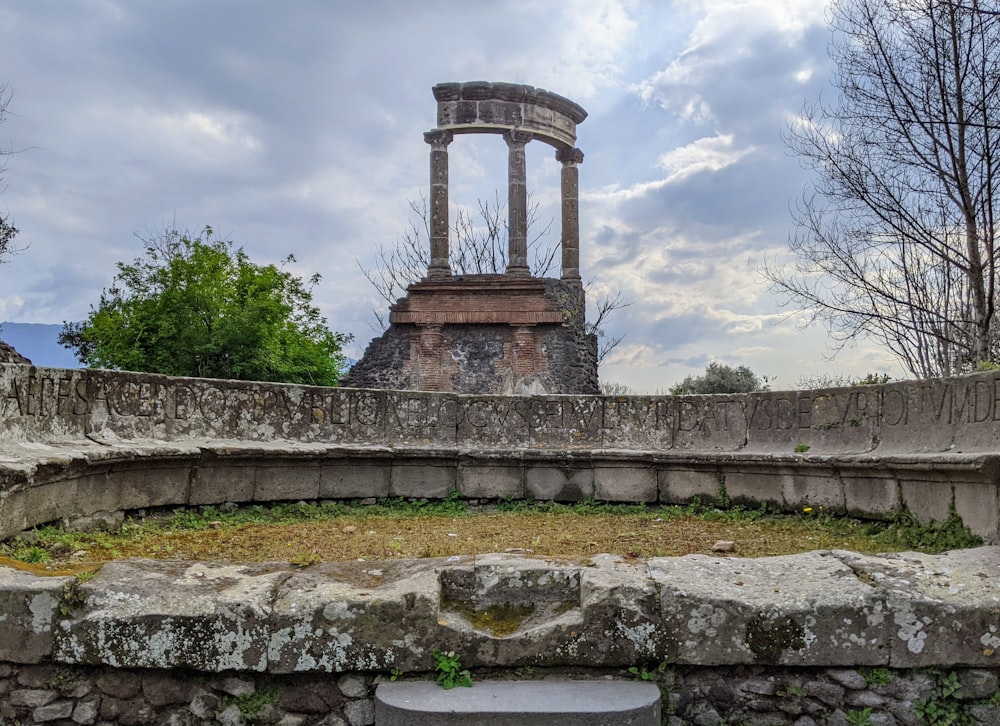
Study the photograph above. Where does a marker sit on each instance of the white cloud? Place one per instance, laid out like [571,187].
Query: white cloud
[198,137]
[710,153]
[707,154]
[726,34]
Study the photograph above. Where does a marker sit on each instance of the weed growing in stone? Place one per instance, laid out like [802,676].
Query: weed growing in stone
[943,707]
[951,534]
[876,675]
[450,671]
[70,598]
[860,718]
[646,674]
[251,704]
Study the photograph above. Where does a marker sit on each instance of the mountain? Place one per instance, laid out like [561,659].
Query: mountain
[37,341]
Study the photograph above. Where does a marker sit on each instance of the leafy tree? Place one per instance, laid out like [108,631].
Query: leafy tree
[477,246]
[897,237]
[198,307]
[720,378]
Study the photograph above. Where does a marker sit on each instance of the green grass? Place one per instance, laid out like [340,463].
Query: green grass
[155,532]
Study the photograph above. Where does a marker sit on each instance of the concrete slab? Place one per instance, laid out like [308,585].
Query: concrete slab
[525,703]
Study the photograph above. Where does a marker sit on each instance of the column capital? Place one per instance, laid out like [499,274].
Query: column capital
[517,137]
[438,137]
[569,155]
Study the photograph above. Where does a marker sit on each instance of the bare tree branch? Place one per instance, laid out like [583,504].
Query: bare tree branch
[896,237]
[7,230]
[478,246]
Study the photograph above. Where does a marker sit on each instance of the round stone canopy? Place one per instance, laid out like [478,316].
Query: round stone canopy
[483,107]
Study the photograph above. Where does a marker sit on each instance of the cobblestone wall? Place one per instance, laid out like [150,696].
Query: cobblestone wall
[749,696]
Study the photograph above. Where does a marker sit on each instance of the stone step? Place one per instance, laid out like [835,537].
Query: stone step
[525,703]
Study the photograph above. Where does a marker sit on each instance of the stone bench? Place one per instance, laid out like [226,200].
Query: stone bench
[81,480]
[520,703]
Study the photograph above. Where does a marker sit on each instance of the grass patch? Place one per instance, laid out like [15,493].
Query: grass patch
[306,534]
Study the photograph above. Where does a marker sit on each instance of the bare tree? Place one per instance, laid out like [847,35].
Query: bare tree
[7,230]
[478,246]
[896,237]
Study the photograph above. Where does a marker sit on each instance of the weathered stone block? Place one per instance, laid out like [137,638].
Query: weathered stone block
[566,421]
[870,494]
[144,614]
[938,608]
[807,609]
[420,418]
[638,422]
[137,485]
[926,500]
[709,422]
[491,482]
[680,486]
[334,618]
[286,481]
[755,487]
[813,487]
[52,501]
[979,507]
[217,482]
[355,479]
[29,606]
[530,703]
[434,481]
[623,483]
[559,483]
[13,516]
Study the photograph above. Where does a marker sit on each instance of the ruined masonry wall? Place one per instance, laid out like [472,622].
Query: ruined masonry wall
[75,442]
[808,639]
[777,640]
[734,695]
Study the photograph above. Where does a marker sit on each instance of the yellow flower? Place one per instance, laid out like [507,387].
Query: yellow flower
[807,509]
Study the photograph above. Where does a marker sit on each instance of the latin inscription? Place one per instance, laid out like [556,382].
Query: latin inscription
[261,410]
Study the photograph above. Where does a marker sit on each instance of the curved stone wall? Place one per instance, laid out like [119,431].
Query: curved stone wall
[81,442]
[727,639]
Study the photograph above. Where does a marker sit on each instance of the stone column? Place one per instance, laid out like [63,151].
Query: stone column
[517,205]
[570,242]
[439,265]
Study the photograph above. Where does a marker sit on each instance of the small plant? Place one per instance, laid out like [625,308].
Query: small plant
[450,671]
[394,674]
[251,704]
[876,676]
[793,690]
[860,718]
[33,555]
[801,448]
[71,597]
[723,494]
[645,674]
[933,537]
[306,559]
[943,707]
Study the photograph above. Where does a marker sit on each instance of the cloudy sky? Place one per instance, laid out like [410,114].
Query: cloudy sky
[296,128]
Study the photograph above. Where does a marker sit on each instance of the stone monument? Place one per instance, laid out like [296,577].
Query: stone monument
[512,333]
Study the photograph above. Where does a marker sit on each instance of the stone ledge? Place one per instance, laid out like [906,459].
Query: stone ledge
[71,479]
[815,609]
[524,703]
